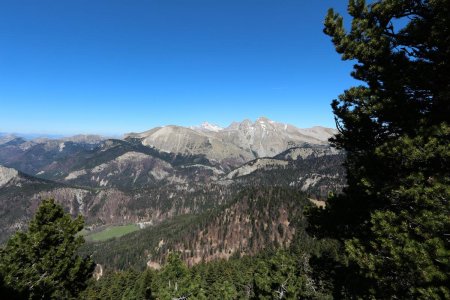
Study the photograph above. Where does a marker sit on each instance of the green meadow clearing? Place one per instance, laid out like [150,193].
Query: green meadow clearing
[110,232]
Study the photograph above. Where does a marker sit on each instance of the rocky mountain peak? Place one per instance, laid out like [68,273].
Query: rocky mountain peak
[263,119]
[205,126]
[235,144]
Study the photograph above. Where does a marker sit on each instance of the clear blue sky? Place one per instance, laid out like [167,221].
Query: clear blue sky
[110,67]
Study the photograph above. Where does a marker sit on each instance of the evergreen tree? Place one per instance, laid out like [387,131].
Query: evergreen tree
[174,280]
[223,290]
[277,277]
[42,263]
[143,286]
[394,216]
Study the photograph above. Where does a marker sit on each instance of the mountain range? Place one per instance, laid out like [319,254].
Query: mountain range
[164,173]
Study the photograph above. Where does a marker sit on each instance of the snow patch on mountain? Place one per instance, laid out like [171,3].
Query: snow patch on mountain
[205,126]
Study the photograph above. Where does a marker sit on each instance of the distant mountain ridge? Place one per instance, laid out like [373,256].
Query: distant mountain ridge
[236,144]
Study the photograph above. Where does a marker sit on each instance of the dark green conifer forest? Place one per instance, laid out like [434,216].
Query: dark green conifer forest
[393,219]
[386,236]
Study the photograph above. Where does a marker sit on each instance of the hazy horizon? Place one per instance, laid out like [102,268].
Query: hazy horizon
[55,134]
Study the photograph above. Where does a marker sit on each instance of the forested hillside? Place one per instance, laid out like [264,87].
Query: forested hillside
[121,186]
[256,219]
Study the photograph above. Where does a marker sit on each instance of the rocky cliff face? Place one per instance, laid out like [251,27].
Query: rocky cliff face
[7,175]
[266,138]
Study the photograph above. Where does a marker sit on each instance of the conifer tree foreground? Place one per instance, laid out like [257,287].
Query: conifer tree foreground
[394,216]
[42,263]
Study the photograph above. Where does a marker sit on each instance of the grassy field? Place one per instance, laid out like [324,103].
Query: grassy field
[110,232]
